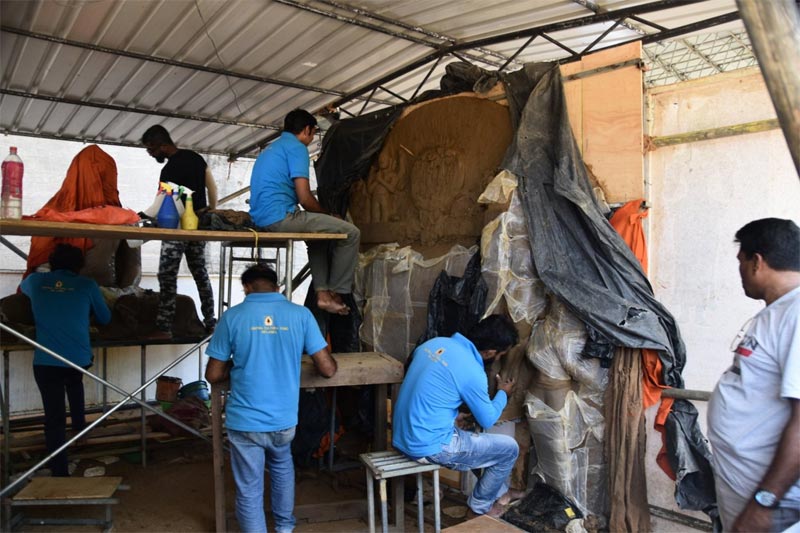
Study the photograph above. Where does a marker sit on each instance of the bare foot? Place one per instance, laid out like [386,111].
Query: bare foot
[497,510]
[327,302]
[511,496]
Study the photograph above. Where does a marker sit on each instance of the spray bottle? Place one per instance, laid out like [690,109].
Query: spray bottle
[168,216]
[189,218]
[173,189]
[152,211]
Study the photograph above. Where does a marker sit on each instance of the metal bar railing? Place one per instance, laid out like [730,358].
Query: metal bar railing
[128,396]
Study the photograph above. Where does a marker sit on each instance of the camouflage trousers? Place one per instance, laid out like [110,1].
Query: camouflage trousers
[169,264]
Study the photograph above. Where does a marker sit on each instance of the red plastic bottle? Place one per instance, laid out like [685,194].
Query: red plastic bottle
[12,185]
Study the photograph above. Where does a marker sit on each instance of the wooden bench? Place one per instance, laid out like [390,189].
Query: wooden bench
[69,491]
[381,466]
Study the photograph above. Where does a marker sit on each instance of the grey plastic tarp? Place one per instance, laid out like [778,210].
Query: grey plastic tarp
[585,262]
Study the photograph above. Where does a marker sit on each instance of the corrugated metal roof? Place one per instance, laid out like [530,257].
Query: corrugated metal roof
[221,75]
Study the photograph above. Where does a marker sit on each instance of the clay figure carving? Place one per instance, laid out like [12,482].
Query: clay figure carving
[359,202]
[436,174]
[386,181]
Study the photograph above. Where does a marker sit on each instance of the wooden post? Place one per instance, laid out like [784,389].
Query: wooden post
[218,457]
[774,30]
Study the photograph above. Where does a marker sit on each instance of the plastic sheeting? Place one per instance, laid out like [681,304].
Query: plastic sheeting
[556,348]
[392,287]
[456,303]
[506,261]
[568,449]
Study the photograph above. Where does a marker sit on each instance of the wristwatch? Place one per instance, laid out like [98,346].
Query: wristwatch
[765,498]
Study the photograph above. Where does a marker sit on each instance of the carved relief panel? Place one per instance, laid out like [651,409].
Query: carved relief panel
[424,184]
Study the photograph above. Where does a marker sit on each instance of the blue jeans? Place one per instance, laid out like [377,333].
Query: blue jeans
[496,454]
[250,450]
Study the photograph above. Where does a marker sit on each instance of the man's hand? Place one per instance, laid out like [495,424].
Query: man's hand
[465,421]
[304,196]
[753,518]
[325,363]
[505,384]
[218,371]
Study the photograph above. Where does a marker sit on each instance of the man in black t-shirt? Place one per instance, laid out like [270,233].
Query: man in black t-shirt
[189,169]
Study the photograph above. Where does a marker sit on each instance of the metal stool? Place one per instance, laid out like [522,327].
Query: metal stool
[381,466]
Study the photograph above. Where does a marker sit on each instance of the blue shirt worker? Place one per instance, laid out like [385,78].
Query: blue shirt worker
[279,182]
[258,344]
[446,372]
[62,301]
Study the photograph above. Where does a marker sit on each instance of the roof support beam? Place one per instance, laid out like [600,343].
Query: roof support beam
[774,29]
[425,79]
[539,30]
[548,28]
[561,45]
[408,27]
[75,138]
[366,103]
[690,28]
[402,99]
[607,16]
[127,109]
[601,37]
[172,62]
[591,6]
[442,39]
[518,52]
[667,67]
[696,51]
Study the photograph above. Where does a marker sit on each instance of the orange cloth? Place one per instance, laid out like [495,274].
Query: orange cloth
[91,182]
[627,220]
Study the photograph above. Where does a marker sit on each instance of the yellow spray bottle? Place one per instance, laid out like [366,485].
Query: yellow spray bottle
[189,218]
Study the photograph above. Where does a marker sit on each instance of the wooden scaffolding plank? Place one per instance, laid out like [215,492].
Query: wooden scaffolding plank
[69,488]
[108,231]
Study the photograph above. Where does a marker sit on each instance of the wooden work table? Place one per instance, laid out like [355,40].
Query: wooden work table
[365,368]
[46,228]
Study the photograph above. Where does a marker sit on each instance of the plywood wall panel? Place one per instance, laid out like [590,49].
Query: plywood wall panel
[605,110]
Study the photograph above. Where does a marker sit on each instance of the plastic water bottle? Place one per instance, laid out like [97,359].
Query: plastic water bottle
[12,185]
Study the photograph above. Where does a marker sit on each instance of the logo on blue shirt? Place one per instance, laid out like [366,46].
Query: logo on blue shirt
[436,356]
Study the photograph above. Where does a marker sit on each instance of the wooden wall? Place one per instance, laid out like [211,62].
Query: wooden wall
[606,113]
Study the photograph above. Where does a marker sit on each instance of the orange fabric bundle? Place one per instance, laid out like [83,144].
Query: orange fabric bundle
[627,220]
[91,182]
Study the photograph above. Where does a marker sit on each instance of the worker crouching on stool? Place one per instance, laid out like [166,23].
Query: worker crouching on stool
[446,372]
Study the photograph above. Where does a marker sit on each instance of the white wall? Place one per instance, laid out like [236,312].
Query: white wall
[46,163]
[702,193]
